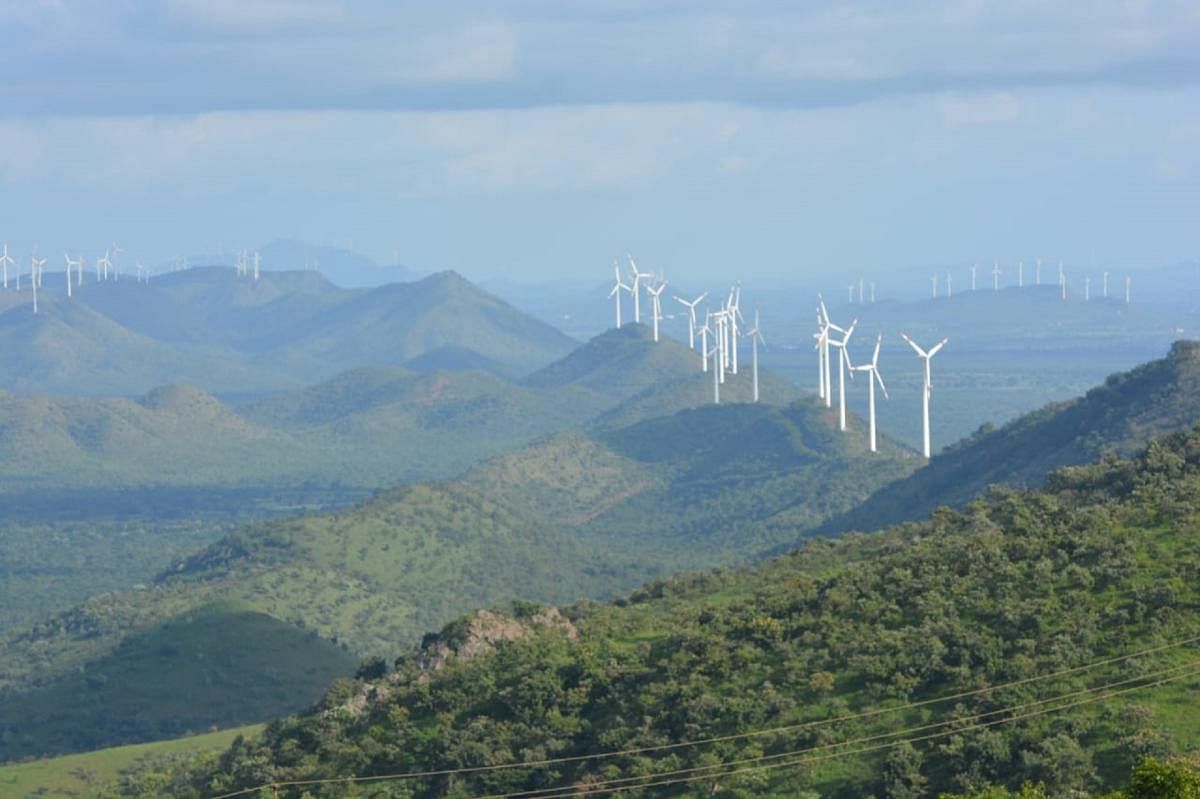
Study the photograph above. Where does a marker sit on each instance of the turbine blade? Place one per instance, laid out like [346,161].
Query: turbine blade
[881,385]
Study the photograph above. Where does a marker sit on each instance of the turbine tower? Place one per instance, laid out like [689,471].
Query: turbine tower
[656,304]
[949,284]
[995,276]
[5,260]
[78,264]
[928,387]
[36,278]
[1038,273]
[1087,288]
[636,288]
[825,343]
[617,288]
[843,364]
[704,331]
[1106,285]
[1021,275]
[933,282]
[1128,289]
[103,263]
[257,263]
[691,306]
[755,338]
[974,268]
[872,379]
[819,346]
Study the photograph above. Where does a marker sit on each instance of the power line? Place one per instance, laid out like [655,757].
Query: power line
[717,739]
[608,786]
[630,782]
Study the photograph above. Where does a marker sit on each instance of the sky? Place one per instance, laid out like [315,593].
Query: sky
[539,140]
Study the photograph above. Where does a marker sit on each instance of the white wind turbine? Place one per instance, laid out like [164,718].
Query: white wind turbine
[928,387]
[1021,275]
[257,264]
[656,304]
[35,278]
[819,347]
[949,284]
[974,269]
[617,288]
[873,378]
[5,260]
[714,353]
[843,363]
[1128,289]
[1087,288]
[735,313]
[691,306]
[102,265]
[755,337]
[825,343]
[1038,273]
[78,264]
[636,287]
[116,264]
[704,332]
[996,276]
[933,281]
[1106,285]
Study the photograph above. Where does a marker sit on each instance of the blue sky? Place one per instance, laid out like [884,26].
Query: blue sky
[544,138]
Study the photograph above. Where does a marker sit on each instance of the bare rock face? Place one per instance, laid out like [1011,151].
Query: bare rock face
[479,635]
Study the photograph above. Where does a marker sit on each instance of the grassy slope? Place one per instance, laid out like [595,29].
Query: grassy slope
[1120,416]
[83,775]
[222,664]
[1102,563]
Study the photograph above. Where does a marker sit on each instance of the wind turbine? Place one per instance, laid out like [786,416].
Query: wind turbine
[872,379]
[826,325]
[116,264]
[933,281]
[819,347]
[949,284]
[691,306]
[735,313]
[36,278]
[716,370]
[257,263]
[996,276]
[755,337]
[1087,288]
[1128,289]
[78,264]
[1038,278]
[1021,275]
[850,294]
[928,386]
[704,331]
[1106,285]
[843,363]
[860,291]
[5,260]
[974,267]
[636,288]
[872,292]
[616,291]
[105,263]
[656,304]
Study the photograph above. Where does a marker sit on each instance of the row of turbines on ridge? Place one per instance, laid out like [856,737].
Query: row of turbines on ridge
[865,296]
[107,268]
[727,325]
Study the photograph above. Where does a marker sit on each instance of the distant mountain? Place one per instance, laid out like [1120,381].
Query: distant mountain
[344,267]
[1119,416]
[232,334]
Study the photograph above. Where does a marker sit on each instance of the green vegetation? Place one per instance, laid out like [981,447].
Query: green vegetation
[1119,416]
[571,517]
[222,664]
[1037,594]
[87,775]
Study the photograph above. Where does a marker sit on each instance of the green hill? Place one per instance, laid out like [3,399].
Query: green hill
[573,516]
[386,570]
[223,663]
[227,333]
[1043,636]
[1119,416]
[709,485]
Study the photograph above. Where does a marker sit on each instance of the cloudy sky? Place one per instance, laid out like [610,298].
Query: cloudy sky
[543,138]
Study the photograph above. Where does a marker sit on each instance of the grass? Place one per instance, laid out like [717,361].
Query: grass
[80,776]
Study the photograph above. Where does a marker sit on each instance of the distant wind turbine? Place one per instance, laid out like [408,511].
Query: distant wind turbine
[704,333]
[1038,273]
[949,284]
[843,364]
[103,263]
[77,263]
[1128,289]
[1106,285]
[974,267]
[656,304]
[928,387]
[1087,288]
[257,263]
[1021,275]
[755,337]
[636,288]
[872,378]
[5,260]
[933,282]
[617,288]
[996,276]
[35,278]
[691,306]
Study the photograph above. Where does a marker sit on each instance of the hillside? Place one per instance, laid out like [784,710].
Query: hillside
[1045,636]
[714,484]
[1119,416]
[573,516]
[228,333]
[385,570]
